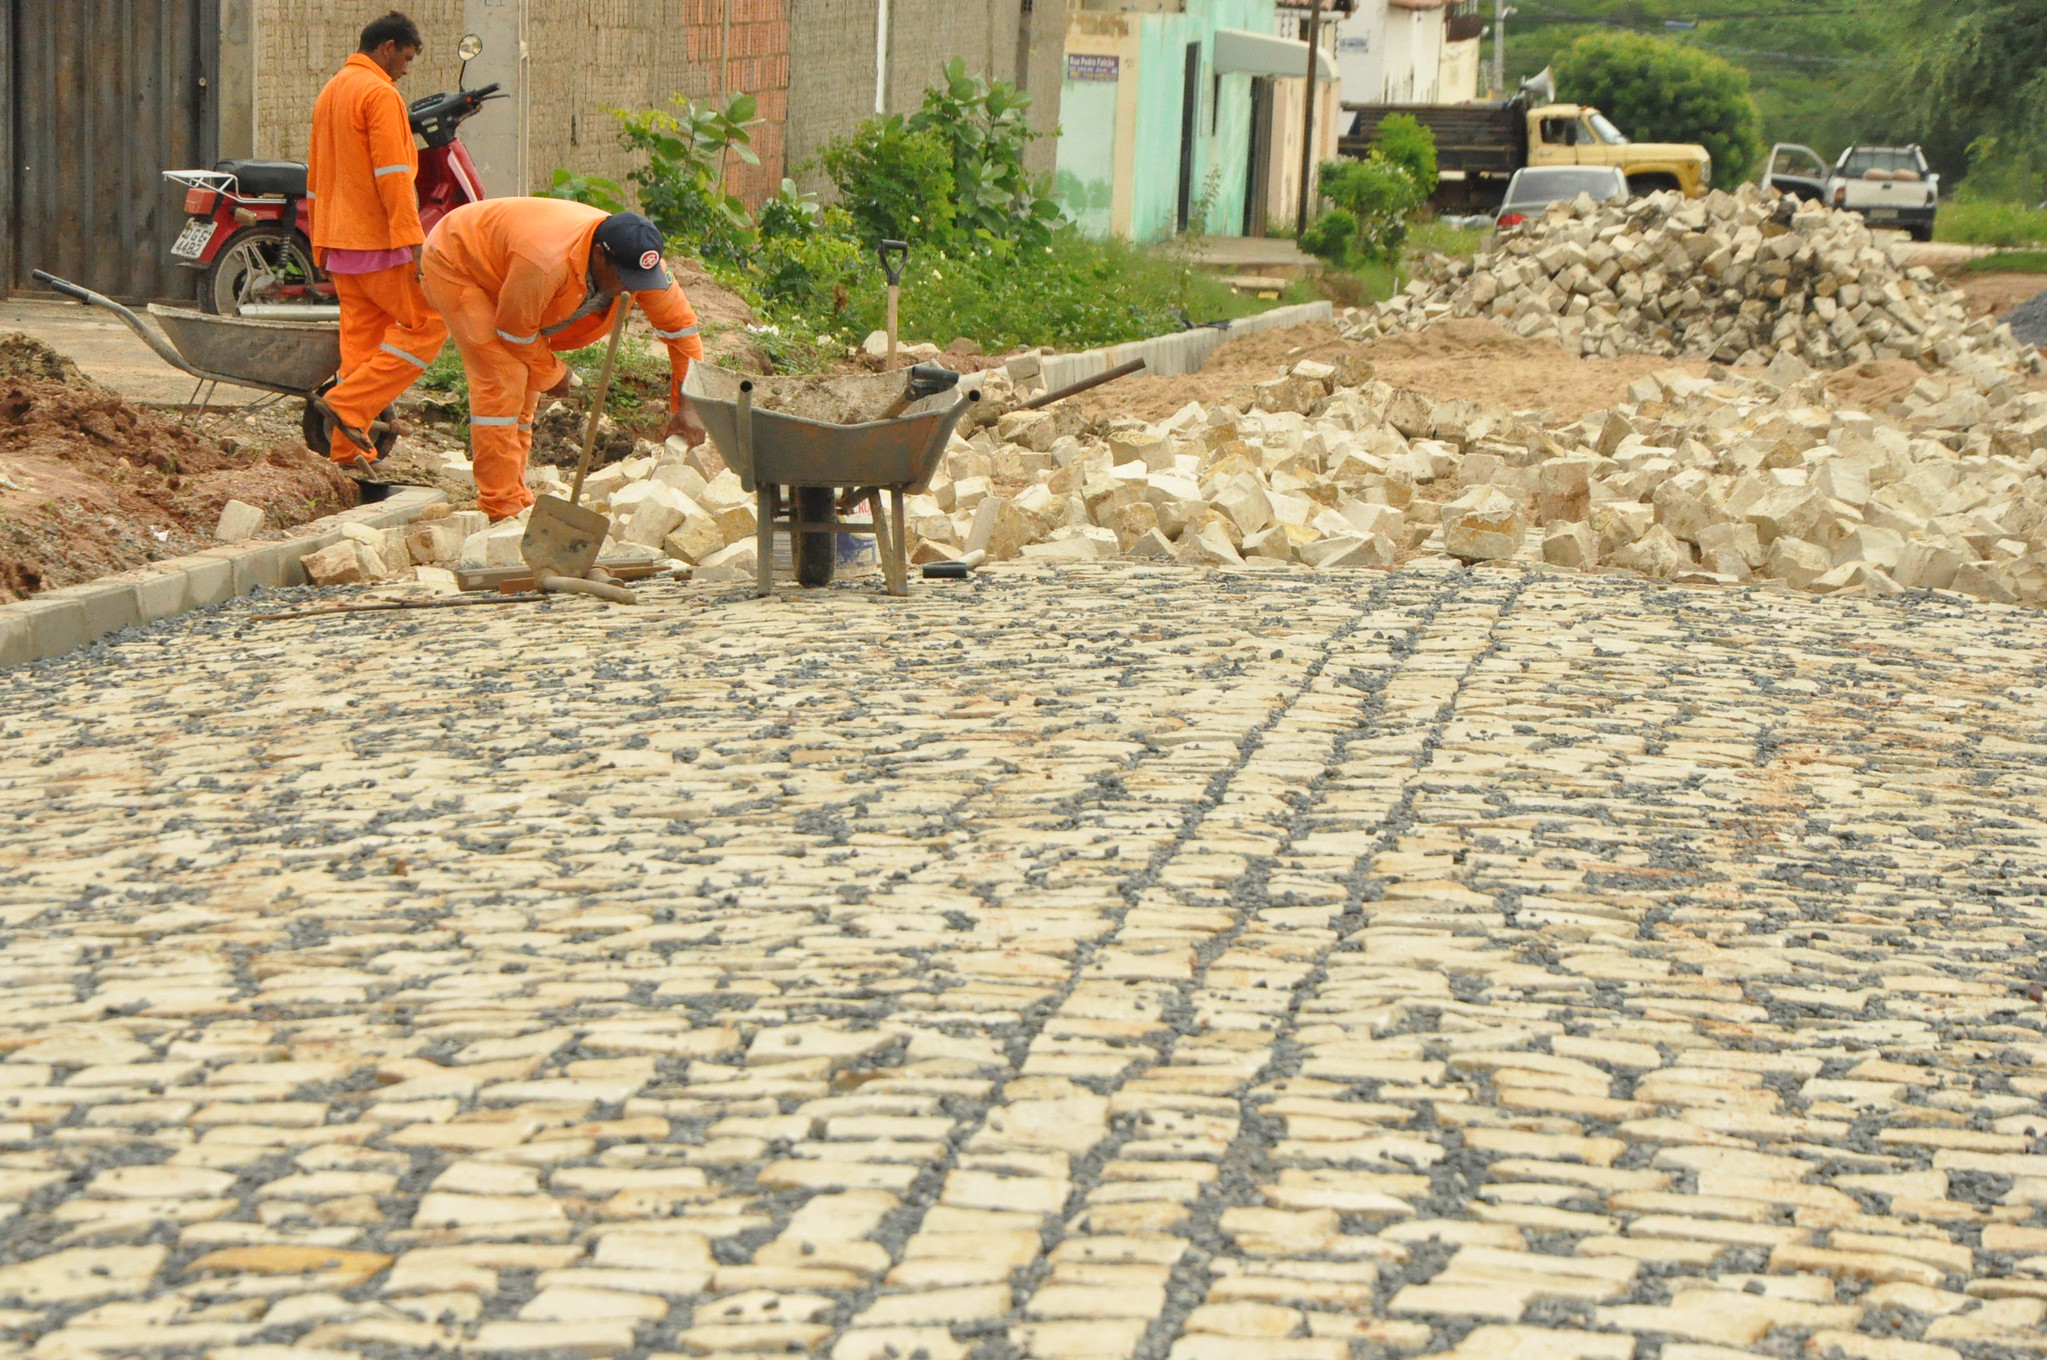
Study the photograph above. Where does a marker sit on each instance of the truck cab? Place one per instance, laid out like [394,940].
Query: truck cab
[1578,134]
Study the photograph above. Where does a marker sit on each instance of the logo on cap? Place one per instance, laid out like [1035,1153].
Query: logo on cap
[650,259]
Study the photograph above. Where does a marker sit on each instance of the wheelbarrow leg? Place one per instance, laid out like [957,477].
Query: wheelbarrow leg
[888,539]
[764,509]
[901,540]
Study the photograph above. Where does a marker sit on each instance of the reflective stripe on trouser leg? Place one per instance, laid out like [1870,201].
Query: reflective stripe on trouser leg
[410,335]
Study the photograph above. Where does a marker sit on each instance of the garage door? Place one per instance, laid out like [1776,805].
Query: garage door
[102,96]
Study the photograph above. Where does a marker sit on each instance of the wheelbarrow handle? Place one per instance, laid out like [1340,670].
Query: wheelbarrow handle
[68,288]
[164,349]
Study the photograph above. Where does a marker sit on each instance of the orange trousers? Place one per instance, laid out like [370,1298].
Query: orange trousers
[389,334]
[502,398]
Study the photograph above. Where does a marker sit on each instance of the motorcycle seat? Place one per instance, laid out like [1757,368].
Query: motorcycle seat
[285,179]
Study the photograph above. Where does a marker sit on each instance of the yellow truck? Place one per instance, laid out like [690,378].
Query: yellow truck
[1480,146]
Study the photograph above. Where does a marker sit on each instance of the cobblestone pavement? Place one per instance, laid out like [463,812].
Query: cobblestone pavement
[1115,963]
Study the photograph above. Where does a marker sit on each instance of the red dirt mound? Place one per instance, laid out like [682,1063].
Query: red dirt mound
[90,484]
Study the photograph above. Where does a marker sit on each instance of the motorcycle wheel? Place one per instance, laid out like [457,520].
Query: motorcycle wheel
[319,431]
[254,260]
[815,553]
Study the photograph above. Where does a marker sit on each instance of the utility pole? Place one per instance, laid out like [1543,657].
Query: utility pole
[1502,11]
[1308,121]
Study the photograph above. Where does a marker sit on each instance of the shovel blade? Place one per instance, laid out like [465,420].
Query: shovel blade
[562,539]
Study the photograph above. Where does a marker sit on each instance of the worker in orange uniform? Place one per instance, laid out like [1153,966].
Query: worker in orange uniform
[360,168]
[518,279]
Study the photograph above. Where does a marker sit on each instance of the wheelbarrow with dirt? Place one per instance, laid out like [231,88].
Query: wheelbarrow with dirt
[813,449]
[285,358]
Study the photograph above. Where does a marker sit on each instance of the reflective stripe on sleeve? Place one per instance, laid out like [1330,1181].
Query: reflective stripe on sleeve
[510,338]
[384,170]
[410,358]
[676,335]
[493,420]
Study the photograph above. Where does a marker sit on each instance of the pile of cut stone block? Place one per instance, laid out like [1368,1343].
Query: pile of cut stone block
[1735,277]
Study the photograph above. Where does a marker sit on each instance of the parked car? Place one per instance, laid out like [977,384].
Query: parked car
[1891,186]
[1535,187]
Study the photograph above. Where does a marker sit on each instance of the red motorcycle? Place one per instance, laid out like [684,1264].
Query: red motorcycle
[249,231]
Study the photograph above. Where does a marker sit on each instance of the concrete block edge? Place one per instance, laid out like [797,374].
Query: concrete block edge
[92,609]
[1169,356]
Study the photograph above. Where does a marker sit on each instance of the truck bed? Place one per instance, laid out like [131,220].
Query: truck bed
[1471,139]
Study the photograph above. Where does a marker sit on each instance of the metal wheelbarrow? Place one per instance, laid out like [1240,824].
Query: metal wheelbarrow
[866,437]
[287,358]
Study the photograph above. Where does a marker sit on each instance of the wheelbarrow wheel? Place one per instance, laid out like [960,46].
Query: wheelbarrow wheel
[319,430]
[815,554]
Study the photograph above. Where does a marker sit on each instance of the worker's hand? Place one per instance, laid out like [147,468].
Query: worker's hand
[561,388]
[684,422]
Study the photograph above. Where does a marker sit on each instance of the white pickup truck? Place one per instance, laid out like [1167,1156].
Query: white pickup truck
[1891,186]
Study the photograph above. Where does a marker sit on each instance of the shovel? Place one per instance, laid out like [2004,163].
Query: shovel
[562,538]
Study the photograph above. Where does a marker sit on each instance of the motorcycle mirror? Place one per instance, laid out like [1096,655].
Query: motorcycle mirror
[469,49]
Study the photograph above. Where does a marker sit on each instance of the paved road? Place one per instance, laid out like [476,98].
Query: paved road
[1115,963]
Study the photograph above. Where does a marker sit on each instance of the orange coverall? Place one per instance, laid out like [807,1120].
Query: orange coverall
[509,274]
[360,168]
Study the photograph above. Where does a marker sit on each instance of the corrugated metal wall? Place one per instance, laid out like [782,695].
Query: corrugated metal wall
[100,97]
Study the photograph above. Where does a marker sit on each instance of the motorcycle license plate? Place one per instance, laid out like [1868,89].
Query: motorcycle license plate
[191,242]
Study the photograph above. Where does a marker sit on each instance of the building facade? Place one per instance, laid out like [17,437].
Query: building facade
[1410,51]
[1177,112]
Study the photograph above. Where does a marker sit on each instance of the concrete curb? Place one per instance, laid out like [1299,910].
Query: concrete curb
[63,620]
[1167,356]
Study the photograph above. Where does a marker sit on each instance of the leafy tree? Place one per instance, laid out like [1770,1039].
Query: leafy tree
[951,174]
[1373,197]
[985,125]
[1666,92]
[1978,81]
[895,181]
[1402,140]
[682,184]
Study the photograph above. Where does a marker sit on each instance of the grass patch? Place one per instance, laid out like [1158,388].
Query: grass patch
[1076,293]
[2010,262]
[1440,238]
[1990,224]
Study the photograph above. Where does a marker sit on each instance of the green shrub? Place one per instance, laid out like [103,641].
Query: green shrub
[590,189]
[1331,237]
[1378,195]
[952,174]
[895,181]
[682,184]
[1405,142]
[985,127]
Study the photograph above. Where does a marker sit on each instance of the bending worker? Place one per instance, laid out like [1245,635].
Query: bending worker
[360,168]
[520,278]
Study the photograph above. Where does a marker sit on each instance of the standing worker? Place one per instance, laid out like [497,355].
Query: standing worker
[518,279]
[360,169]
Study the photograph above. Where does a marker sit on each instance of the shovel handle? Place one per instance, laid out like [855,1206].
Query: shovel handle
[625,311]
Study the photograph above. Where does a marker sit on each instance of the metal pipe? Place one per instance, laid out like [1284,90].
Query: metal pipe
[1501,11]
[880,57]
[1308,121]
[1074,389]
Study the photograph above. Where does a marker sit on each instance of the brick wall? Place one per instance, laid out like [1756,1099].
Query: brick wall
[585,58]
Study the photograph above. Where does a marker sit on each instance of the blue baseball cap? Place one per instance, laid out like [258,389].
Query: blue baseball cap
[634,245]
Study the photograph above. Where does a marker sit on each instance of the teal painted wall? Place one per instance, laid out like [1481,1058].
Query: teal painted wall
[1222,134]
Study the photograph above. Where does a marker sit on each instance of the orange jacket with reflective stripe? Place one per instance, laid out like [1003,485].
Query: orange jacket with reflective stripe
[361,164]
[533,256]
